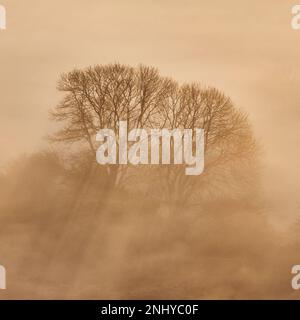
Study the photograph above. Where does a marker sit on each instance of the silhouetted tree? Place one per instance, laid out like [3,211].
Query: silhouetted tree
[101,96]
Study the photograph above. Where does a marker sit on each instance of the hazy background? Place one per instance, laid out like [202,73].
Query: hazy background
[247,49]
[244,48]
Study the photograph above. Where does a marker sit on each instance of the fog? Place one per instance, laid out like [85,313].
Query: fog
[59,240]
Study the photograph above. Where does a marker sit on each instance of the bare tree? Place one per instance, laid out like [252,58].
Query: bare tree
[229,139]
[101,96]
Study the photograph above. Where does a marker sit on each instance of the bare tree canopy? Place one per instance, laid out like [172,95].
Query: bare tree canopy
[99,97]
[103,95]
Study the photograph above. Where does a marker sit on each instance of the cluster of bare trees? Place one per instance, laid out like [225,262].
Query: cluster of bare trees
[101,96]
[81,216]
